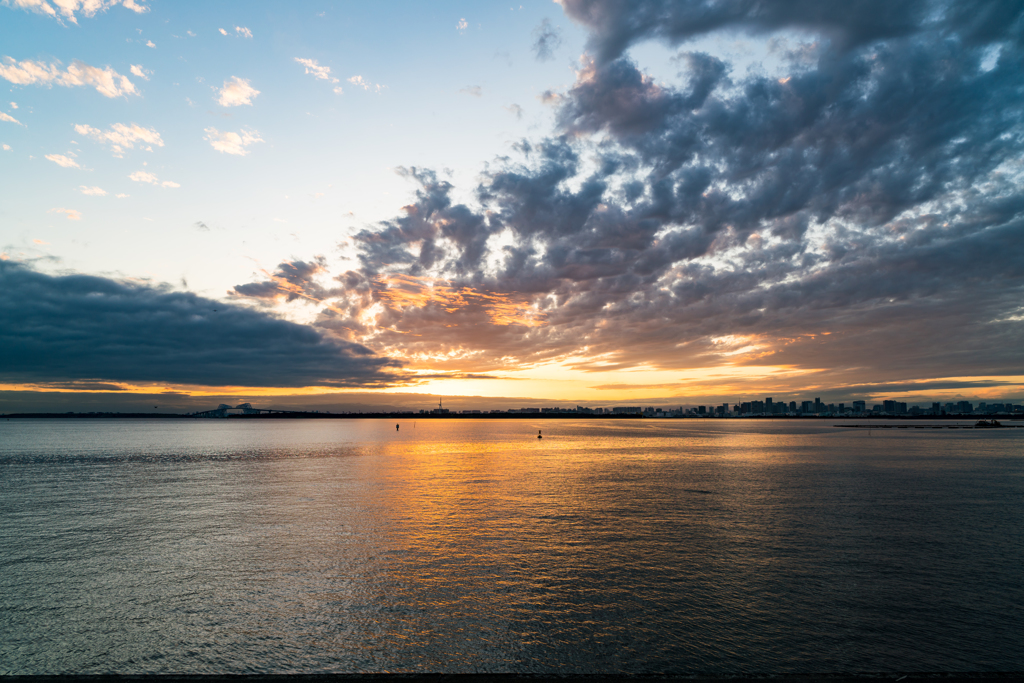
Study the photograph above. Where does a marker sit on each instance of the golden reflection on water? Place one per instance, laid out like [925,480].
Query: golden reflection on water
[474,546]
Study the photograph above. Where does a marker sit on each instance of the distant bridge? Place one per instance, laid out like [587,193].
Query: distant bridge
[224,410]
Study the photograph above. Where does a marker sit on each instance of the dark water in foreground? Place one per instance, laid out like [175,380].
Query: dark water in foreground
[661,546]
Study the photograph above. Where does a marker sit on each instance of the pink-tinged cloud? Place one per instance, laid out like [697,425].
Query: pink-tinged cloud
[65,9]
[62,160]
[230,142]
[71,214]
[106,81]
[122,136]
[236,92]
[151,179]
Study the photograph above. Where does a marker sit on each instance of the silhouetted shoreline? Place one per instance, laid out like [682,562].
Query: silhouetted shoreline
[300,415]
[912,677]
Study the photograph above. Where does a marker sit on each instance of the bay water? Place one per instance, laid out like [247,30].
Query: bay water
[634,546]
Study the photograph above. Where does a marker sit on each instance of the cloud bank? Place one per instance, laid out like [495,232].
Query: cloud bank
[78,327]
[858,209]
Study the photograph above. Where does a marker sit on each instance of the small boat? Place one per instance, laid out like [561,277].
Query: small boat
[986,423]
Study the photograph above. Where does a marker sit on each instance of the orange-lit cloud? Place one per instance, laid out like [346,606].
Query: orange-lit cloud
[402,291]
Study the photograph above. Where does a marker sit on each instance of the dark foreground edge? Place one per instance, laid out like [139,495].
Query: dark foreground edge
[910,677]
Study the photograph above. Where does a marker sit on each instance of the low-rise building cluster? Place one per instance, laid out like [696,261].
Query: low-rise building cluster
[769,407]
[766,408]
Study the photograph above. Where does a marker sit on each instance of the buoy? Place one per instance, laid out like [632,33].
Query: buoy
[538,435]
[396,428]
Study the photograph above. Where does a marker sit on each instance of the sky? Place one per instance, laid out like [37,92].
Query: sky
[587,201]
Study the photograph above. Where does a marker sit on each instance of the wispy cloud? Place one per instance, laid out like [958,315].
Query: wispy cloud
[240,32]
[92,191]
[147,177]
[550,97]
[365,84]
[121,136]
[65,9]
[10,119]
[137,70]
[71,214]
[474,90]
[150,43]
[236,92]
[322,73]
[515,110]
[62,160]
[546,39]
[230,142]
[462,25]
[107,81]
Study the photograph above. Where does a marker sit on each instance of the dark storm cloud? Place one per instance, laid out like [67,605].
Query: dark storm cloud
[290,281]
[921,387]
[546,39]
[82,386]
[431,218]
[617,24]
[78,327]
[860,209]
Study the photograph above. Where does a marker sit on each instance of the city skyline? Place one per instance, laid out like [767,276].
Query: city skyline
[575,202]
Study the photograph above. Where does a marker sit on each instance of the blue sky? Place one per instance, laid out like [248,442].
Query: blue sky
[325,162]
[660,200]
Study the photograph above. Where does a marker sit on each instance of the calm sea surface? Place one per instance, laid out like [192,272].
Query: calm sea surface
[609,546]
